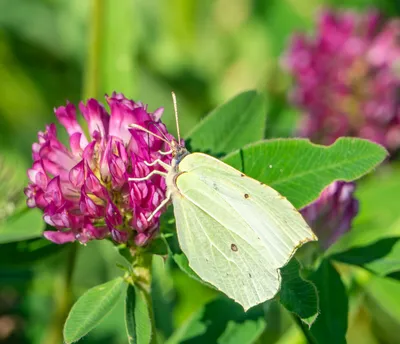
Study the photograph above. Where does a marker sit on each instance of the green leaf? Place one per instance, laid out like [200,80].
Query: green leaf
[388,265]
[91,308]
[379,217]
[137,316]
[246,332]
[331,324]
[163,295]
[383,304]
[26,224]
[232,125]
[220,321]
[298,295]
[381,258]
[28,252]
[300,170]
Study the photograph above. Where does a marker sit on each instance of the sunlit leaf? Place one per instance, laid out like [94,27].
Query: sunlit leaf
[300,170]
[91,308]
[234,124]
[137,316]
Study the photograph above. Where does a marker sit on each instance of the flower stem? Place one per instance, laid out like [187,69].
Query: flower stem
[91,83]
[63,301]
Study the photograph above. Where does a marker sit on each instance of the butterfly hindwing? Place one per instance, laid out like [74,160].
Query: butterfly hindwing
[222,257]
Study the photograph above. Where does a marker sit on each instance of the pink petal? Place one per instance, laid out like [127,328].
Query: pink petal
[59,237]
[67,117]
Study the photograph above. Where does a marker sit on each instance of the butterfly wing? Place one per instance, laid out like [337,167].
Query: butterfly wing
[239,274]
[235,231]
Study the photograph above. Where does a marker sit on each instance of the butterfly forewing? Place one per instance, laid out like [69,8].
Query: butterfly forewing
[235,231]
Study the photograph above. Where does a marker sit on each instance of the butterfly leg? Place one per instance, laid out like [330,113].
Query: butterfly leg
[165,153]
[151,174]
[158,161]
[161,205]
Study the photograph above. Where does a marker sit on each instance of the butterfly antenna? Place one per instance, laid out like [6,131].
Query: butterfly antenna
[139,127]
[176,116]
[159,130]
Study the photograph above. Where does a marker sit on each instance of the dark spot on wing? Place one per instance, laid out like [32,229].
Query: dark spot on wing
[234,248]
[250,275]
[246,195]
[242,175]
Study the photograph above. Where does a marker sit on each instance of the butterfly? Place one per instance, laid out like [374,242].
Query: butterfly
[235,231]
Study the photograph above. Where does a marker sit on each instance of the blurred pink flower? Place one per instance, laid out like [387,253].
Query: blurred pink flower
[347,78]
[331,215]
[84,190]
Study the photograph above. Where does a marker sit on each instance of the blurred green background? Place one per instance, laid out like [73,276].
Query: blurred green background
[206,51]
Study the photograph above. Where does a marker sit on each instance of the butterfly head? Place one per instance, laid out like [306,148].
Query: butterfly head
[177,147]
[178,151]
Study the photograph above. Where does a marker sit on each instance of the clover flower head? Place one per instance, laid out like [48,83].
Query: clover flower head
[83,189]
[347,78]
[331,215]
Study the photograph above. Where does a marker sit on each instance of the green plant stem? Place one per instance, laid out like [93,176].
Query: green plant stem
[63,298]
[142,270]
[272,313]
[91,83]
[303,328]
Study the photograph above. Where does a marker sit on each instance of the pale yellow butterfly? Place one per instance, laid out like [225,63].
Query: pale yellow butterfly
[235,231]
